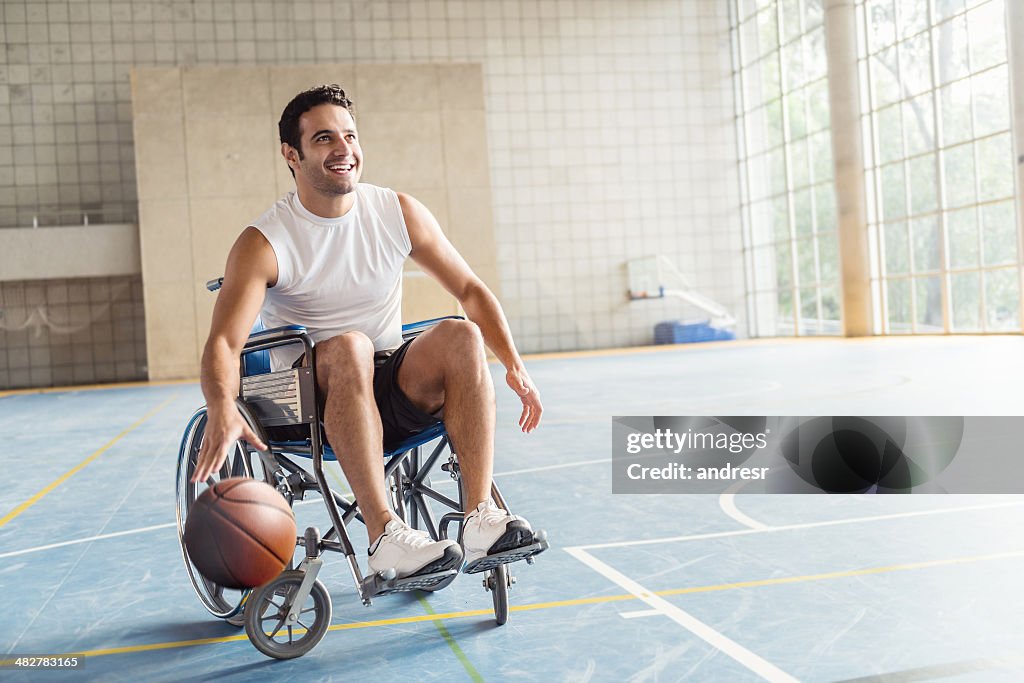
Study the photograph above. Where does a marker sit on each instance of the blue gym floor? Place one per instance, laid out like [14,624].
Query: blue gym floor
[635,588]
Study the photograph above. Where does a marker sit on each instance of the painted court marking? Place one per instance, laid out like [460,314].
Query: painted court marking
[727,501]
[640,613]
[169,525]
[806,525]
[762,667]
[25,551]
[564,603]
[74,470]
[737,652]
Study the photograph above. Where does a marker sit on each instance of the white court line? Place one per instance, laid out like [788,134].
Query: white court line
[727,501]
[789,527]
[115,534]
[758,665]
[25,551]
[552,467]
[575,463]
[101,537]
[640,613]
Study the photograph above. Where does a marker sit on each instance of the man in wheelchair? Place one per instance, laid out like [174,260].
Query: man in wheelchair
[329,256]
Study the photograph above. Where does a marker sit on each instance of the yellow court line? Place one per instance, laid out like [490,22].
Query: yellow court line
[590,353]
[64,477]
[630,350]
[843,574]
[562,603]
[759,341]
[96,387]
[663,348]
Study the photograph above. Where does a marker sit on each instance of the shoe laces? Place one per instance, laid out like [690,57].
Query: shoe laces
[414,538]
[491,514]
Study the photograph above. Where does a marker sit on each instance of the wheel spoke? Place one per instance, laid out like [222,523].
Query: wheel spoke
[290,639]
[279,625]
[299,622]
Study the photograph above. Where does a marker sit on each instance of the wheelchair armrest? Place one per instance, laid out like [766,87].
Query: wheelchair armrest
[413,330]
[279,336]
[275,333]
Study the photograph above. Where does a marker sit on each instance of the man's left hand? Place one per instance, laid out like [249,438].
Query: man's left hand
[519,381]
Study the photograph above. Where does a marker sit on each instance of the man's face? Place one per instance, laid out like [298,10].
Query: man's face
[332,160]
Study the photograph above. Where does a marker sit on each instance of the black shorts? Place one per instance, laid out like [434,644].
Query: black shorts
[399,417]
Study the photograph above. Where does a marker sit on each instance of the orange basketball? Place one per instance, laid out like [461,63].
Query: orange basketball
[240,533]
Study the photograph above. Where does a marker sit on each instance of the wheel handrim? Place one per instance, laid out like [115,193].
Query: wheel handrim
[237,463]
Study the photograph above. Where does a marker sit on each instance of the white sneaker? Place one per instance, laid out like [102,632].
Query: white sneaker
[411,551]
[489,531]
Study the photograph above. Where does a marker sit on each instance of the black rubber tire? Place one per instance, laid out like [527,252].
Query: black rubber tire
[497,579]
[268,605]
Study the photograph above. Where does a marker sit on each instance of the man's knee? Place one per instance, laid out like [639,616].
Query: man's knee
[354,345]
[462,339]
[349,354]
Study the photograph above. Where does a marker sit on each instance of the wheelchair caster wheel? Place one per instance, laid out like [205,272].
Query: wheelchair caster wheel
[497,582]
[267,617]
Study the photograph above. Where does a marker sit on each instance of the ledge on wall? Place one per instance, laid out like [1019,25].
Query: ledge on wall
[69,252]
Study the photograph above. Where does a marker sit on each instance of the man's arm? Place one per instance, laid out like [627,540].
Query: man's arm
[251,267]
[432,251]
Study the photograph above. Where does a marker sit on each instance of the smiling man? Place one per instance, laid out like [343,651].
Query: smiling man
[329,256]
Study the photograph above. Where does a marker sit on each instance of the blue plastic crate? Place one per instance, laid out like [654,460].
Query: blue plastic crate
[675,332]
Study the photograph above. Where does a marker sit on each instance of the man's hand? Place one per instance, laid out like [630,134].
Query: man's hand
[519,381]
[223,429]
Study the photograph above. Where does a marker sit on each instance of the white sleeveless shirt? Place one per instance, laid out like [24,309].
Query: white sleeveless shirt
[337,275]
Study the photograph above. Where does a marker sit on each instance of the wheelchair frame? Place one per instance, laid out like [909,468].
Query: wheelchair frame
[287,397]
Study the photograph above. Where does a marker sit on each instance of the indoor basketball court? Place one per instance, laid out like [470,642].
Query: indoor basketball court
[691,208]
[732,587]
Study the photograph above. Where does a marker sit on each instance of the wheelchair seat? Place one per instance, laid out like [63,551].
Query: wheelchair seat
[258,363]
[299,447]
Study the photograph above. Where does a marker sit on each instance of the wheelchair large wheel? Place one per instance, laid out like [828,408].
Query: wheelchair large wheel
[266,617]
[497,583]
[221,602]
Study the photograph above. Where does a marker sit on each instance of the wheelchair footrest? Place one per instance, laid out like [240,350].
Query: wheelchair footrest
[526,552]
[378,585]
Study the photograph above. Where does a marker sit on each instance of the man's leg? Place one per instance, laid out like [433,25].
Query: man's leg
[447,366]
[344,373]
[344,369]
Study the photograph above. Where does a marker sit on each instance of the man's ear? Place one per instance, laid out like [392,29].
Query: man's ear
[290,154]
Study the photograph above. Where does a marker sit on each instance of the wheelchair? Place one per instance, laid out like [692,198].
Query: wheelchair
[288,616]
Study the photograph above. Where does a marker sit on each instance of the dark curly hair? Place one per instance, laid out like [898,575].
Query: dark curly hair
[288,126]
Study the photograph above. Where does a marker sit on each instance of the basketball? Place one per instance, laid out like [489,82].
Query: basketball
[240,533]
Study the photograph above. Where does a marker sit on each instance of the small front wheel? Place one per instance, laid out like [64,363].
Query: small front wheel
[266,617]
[497,583]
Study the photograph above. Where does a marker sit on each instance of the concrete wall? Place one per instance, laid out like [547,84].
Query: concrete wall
[70,306]
[610,128]
[208,163]
[61,331]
